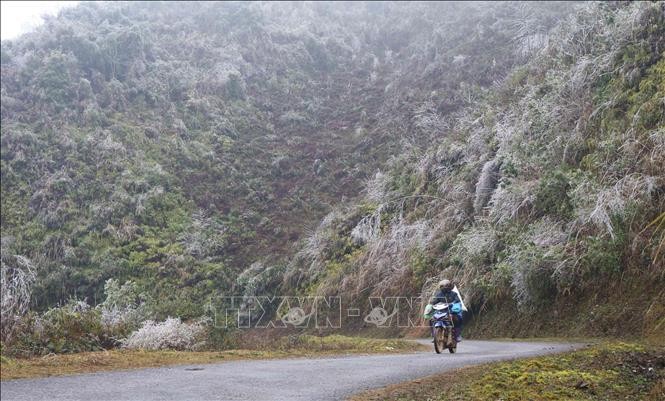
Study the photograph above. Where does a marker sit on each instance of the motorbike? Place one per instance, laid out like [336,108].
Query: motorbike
[442,328]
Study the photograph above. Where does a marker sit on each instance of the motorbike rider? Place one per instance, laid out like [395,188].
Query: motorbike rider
[446,294]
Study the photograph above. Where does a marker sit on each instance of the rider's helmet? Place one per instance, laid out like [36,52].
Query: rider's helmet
[446,284]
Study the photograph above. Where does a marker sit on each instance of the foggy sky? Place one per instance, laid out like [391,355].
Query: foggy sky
[19,17]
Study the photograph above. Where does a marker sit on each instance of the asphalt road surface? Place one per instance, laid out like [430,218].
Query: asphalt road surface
[326,378]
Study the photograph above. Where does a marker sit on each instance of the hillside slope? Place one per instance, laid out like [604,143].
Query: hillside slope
[543,199]
[351,149]
[179,146]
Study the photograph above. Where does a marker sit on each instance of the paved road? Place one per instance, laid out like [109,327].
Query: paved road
[329,378]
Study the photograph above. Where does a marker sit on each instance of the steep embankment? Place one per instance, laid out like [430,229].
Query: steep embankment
[543,199]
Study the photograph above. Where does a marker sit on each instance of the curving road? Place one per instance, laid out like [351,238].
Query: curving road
[329,378]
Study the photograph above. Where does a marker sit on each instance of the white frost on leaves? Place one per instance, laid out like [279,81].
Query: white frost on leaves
[375,188]
[400,238]
[485,185]
[600,205]
[169,334]
[368,228]
[17,275]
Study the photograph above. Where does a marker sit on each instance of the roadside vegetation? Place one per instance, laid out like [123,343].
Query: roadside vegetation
[606,371]
[285,347]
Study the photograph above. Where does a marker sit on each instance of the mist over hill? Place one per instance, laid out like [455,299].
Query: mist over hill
[352,149]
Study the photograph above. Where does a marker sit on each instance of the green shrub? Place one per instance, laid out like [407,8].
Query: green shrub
[74,327]
[602,256]
[531,270]
[552,195]
[423,266]
[124,308]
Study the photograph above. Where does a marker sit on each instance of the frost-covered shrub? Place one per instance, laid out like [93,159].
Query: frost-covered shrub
[204,237]
[489,176]
[599,205]
[426,118]
[76,326]
[510,202]
[472,252]
[552,195]
[400,238]
[532,276]
[169,334]
[124,308]
[308,263]
[368,228]
[257,278]
[537,263]
[376,187]
[388,263]
[73,327]
[293,117]
[546,233]
[476,246]
[16,280]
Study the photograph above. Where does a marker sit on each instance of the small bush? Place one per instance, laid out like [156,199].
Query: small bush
[552,196]
[602,256]
[78,327]
[124,308]
[16,280]
[169,334]
[73,327]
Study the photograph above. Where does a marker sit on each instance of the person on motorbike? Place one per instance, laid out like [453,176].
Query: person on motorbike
[446,294]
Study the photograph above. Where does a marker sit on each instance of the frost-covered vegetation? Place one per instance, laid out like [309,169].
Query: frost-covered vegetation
[177,146]
[121,320]
[318,148]
[542,194]
[169,334]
